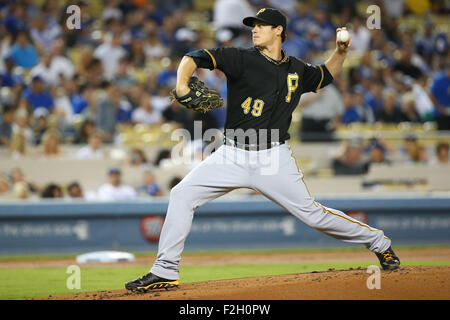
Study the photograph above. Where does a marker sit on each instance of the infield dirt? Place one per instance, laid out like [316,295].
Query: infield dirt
[407,283]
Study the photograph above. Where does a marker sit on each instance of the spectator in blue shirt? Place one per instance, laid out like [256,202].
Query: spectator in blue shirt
[76,96]
[296,46]
[8,78]
[440,88]
[351,113]
[125,111]
[16,19]
[377,151]
[441,44]
[6,126]
[154,13]
[79,103]
[372,96]
[24,52]
[424,43]
[327,29]
[37,96]
[301,20]
[440,94]
[166,33]
[150,187]
[168,76]
[43,32]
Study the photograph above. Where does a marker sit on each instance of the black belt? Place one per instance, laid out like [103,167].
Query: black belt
[251,147]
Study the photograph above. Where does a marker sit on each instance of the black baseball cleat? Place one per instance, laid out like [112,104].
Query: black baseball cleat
[150,282]
[388,259]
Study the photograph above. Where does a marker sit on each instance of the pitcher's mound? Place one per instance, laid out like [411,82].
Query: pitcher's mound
[406,283]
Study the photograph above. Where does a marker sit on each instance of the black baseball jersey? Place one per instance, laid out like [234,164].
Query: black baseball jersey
[262,93]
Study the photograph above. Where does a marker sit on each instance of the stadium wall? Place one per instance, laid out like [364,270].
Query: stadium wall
[47,227]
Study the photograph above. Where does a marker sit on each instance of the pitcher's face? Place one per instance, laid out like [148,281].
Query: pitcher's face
[264,34]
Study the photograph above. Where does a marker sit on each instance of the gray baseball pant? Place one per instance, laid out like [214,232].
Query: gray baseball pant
[273,173]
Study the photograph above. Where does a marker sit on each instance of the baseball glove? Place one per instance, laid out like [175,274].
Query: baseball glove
[199,98]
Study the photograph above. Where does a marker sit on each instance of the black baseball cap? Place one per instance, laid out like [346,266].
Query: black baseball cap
[268,15]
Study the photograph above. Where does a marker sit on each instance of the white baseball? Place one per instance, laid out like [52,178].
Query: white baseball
[343,36]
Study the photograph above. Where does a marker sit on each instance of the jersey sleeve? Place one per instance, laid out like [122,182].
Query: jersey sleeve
[228,60]
[315,77]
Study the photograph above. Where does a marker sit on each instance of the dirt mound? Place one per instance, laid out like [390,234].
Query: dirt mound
[407,283]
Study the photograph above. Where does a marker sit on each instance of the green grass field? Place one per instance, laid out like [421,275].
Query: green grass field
[25,283]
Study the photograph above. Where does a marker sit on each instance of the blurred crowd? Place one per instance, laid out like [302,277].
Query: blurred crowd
[16,185]
[355,157]
[401,74]
[61,86]
[118,68]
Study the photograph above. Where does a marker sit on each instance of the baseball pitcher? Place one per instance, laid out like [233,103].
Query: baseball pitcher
[264,88]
